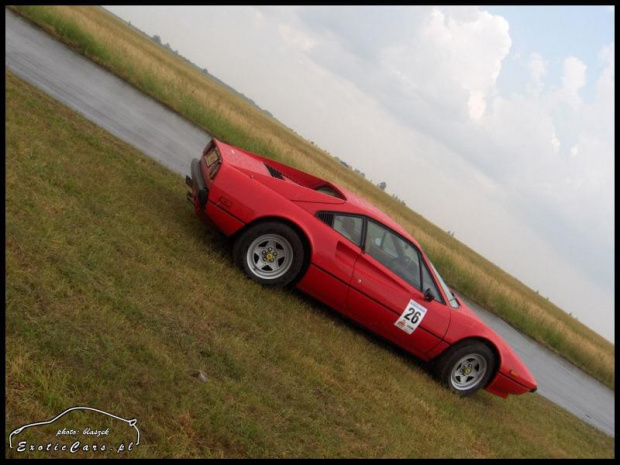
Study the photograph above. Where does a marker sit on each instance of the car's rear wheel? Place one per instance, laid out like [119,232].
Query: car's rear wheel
[467,367]
[270,253]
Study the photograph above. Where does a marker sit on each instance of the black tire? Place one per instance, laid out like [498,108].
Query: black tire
[282,236]
[466,360]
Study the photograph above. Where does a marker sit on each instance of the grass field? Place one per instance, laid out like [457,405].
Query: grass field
[134,57]
[115,291]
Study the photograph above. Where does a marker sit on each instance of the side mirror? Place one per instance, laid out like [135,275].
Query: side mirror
[428,295]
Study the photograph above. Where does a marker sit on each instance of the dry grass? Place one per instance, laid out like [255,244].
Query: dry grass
[133,56]
[110,303]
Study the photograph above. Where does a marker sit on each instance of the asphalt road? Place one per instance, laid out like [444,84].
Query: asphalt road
[162,134]
[101,97]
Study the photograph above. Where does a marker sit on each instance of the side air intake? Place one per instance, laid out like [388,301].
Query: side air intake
[274,172]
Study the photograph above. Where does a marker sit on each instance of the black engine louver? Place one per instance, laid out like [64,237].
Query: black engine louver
[327,218]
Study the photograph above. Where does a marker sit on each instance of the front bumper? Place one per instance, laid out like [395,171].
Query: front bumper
[197,183]
[503,385]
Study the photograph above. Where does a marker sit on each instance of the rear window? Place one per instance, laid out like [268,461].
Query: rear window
[329,190]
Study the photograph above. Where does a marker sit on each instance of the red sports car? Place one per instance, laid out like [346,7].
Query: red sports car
[292,228]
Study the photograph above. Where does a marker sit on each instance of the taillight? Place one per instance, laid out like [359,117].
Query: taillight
[215,169]
[213,160]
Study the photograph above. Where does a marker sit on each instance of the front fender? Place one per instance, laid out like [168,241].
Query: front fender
[512,376]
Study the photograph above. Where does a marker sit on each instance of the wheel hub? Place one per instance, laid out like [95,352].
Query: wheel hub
[468,372]
[270,256]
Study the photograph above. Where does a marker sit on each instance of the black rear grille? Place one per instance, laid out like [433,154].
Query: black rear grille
[327,218]
[274,172]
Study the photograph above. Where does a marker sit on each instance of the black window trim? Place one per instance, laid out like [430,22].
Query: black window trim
[430,273]
[366,219]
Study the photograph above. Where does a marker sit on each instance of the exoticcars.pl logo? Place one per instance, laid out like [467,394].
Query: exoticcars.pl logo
[82,431]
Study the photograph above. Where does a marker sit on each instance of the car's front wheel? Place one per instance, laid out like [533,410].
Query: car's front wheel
[270,253]
[467,367]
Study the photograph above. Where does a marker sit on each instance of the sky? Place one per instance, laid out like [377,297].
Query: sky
[496,123]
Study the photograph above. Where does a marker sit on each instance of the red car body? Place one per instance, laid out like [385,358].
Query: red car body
[233,188]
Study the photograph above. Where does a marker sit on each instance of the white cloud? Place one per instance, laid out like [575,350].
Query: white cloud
[476,104]
[296,38]
[555,143]
[453,60]
[606,84]
[574,151]
[573,79]
[258,18]
[538,69]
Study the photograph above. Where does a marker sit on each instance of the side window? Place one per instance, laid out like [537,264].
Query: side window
[427,283]
[350,227]
[389,246]
[396,254]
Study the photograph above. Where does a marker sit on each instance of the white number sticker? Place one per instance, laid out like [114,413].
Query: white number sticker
[411,318]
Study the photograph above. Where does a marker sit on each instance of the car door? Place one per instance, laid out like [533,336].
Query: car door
[386,292]
[332,263]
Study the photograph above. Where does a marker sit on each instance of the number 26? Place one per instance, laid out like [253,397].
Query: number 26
[414,316]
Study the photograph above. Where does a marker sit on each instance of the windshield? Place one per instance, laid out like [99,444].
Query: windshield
[451,299]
